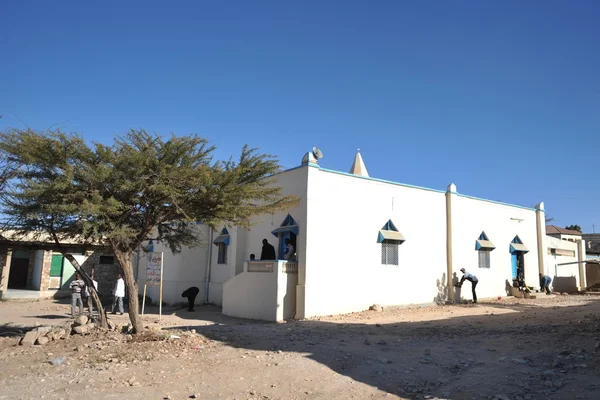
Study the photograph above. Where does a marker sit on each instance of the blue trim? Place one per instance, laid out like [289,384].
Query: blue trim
[407,185]
[483,236]
[517,240]
[495,202]
[389,226]
[477,245]
[289,220]
[381,180]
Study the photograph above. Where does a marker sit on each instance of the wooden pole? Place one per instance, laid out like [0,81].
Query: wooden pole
[161,288]
[144,299]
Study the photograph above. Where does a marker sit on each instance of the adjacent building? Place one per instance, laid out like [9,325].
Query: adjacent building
[31,267]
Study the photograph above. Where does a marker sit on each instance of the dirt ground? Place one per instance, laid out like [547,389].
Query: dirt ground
[514,349]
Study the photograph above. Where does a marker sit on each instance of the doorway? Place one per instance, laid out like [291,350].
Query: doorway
[19,269]
[518,265]
[282,237]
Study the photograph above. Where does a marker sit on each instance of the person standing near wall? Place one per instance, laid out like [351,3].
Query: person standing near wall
[290,252]
[118,293]
[76,287]
[268,251]
[471,278]
[88,298]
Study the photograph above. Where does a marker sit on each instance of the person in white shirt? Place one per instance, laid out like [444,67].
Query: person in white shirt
[473,279]
[118,293]
[290,252]
[88,298]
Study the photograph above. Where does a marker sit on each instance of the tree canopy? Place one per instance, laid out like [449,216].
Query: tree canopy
[574,228]
[120,194]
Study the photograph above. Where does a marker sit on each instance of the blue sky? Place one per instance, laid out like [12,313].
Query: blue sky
[500,97]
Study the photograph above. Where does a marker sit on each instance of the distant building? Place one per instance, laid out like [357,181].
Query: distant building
[563,234]
[31,266]
[592,249]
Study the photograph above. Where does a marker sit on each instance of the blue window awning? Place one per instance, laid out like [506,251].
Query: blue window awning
[516,247]
[390,235]
[222,239]
[484,245]
[283,229]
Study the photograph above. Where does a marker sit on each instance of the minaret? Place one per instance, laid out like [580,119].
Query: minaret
[358,166]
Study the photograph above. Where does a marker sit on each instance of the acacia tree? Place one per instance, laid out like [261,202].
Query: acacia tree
[139,186]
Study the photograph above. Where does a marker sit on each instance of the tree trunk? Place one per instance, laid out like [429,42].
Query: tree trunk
[124,258]
[102,320]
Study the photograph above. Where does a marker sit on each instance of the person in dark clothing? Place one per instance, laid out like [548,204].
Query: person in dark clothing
[545,281]
[191,294]
[268,251]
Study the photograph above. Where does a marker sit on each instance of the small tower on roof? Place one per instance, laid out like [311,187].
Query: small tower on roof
[358,166]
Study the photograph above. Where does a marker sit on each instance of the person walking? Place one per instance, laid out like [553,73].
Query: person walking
[118,293]
[545,281]
[471,278]
[76,286]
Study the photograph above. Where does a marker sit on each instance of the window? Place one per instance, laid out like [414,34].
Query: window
[222,258]
[390,240]
[287,230]
[484,247]
[107,260]
[389,252]
[222,242]
[484,258]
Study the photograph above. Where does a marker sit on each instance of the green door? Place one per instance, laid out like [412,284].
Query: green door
[56,268]
[68,274]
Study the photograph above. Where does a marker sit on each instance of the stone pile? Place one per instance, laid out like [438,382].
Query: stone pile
[44,334]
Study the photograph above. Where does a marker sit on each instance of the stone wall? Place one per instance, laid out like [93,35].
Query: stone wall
[104,274]
[46,264]
[5,258]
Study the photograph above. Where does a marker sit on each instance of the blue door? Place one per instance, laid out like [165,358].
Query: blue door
[513,257]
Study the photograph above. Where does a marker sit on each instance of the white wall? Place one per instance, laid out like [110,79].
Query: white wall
[472,216]
[188,268]
[565,278]
[220,273]
[266,296]
[180,271]
[344,271]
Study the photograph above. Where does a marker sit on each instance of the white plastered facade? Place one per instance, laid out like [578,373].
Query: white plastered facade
[339,267]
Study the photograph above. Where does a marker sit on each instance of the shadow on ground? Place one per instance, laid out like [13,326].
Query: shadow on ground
[459,357]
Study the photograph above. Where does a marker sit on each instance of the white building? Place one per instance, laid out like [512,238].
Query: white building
[361,241]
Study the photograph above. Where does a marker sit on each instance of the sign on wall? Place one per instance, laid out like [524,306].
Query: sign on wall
[154,269]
